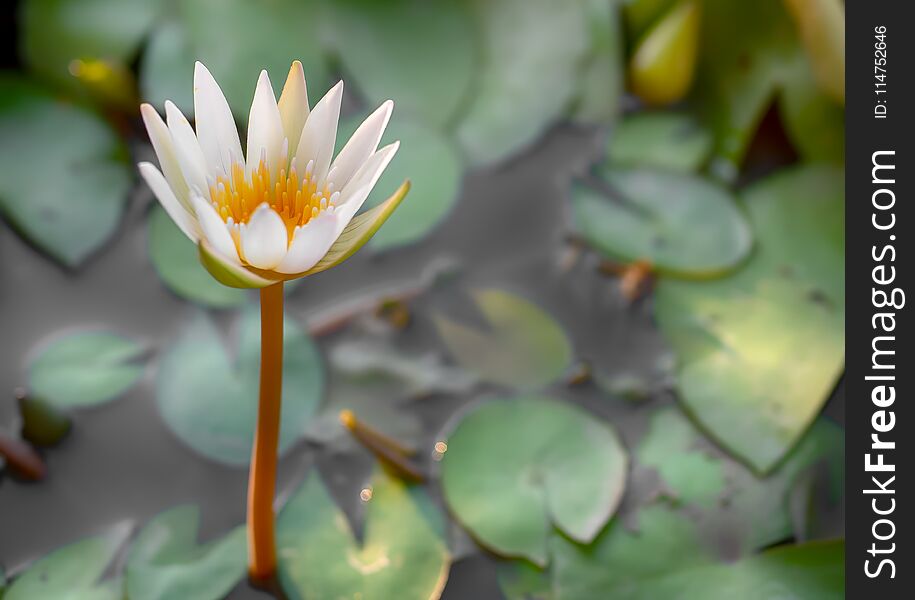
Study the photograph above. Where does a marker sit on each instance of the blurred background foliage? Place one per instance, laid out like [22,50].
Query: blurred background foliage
[712,201]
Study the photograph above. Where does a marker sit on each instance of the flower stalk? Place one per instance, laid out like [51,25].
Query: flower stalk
[262,477]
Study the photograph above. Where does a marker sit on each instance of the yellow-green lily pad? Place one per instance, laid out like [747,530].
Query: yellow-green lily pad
[523,346]
[401,553]
[760,351]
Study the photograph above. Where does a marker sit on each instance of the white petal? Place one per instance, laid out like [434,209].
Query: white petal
[160,187]
[293,105]
[310,243]
[320,134]
[360,147]
[214,229]
[264,239]
[187,150]
[265,128]
[161,140]
[215,124]
[362,183]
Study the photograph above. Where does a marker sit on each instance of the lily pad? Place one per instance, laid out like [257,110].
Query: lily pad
[401,555]
[228,36]
[175,259]
[600,85]
[737,339]
[57,32]
[684,225]
[814,121]
[671,447]
[429,159]
[73,572]
[165,560]
[65,193]
[525,82]
[746,49]
[516,468]
[167,68]
[85,369]
[667,559]
[523,346]
[419,54]
[209,400]
[666,140]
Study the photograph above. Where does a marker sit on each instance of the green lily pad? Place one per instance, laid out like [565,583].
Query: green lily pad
[57,32]
[175,259]
[85,369]
[167,68]
[667,559]
[531,53]
[65,193]
[209,400]
[419,54]
[73,572]
[428,158]
[165,560]
[746,51]
[814,122]
[665,140]
[229,36]
[516,468]
[600,84]
[401,555]
[523,346]
[737,339]
[670,447]
[683,225]
[755,512]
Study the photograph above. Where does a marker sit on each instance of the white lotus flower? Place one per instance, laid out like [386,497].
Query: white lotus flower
[284,209]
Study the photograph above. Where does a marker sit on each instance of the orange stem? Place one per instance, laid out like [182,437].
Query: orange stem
[262,478]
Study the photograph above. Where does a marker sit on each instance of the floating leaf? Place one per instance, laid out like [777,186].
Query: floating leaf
[165,560]
[665,140]
[85,369]
[523,347]
[420,54]
[680,223]
[210,401]
[516,468]
[814,122]
[175,259]
[73,572]
[736,339]
[167,68]
[228,36]
[670,447]
[401,555]
[600,85]
[429,160]
[662,67]
[531,51]
[666,559]
[57,32]
[65,193]
[746,48]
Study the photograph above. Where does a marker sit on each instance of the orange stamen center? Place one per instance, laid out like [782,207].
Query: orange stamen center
[296,200]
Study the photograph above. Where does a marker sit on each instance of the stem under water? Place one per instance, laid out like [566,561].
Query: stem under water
[262,477]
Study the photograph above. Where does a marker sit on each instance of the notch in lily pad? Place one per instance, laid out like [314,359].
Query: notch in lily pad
[515,469]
